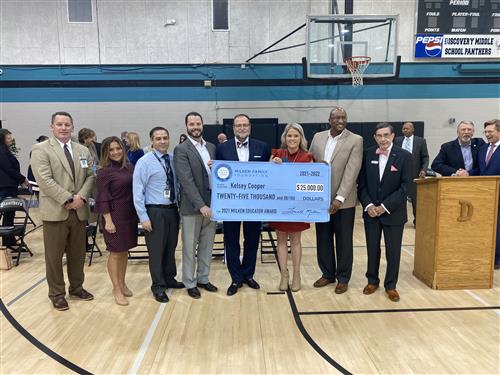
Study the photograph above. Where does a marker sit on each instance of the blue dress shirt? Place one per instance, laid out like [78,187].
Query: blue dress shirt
[149,183]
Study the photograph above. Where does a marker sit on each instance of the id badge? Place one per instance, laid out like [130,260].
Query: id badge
[166,193]
[84,163]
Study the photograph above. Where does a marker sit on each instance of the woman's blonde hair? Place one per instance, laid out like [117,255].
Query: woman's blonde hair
[133,141]
[298,127]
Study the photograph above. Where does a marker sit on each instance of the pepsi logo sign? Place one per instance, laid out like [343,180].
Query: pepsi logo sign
[428,45]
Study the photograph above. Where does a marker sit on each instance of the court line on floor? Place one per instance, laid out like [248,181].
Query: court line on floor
[15,299]
[309,339]
[305,334]
[480,300]
[149,337]
[379,311]
[18,327]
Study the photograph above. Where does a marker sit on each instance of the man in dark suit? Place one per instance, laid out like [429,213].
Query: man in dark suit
[489,165]
[192,160]
[382,190]
[417,147]
[242,148]
[458,157]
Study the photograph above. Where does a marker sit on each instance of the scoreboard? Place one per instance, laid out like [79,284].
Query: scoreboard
[458,29]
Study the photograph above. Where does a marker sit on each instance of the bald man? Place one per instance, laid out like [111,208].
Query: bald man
[417,147]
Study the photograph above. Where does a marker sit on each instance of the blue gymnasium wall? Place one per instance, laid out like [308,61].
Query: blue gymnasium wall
[266,82]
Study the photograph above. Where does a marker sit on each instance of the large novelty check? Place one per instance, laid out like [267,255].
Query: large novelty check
[264,191]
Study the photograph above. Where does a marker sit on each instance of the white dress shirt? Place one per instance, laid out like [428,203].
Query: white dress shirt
[201,147]
[66,144]
[242,150]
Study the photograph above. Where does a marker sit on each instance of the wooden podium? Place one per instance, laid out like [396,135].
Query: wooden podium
[455,233]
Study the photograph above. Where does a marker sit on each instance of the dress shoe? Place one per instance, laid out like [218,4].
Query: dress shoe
[296,284]
[161,297]
[370,288]
[233,288]
[208,286]
[127,292]
[393,295]
[252,283]
[174,284]
[60,303]
[322,281]
[194,293]
[340,288]
[284,280]
[82,295]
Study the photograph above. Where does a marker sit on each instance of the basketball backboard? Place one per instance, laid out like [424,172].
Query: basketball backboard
[331,39]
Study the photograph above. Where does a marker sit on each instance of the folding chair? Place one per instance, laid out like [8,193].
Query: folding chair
[92,246]
[18,230]
[267,245]
[219,248]
[139,252]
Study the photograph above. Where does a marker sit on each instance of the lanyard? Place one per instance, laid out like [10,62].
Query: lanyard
[163,166]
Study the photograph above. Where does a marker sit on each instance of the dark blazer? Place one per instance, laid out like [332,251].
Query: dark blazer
[258,151]
[419,153]
[493,167]
[98,149]
[10,175]
[450,158]
[192,177]
[391,191]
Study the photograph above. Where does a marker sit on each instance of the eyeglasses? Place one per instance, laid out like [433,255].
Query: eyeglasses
[242,126]
[382,136]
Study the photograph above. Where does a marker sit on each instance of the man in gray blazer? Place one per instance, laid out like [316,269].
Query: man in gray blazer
[417,147]
[192,160]
[63,171]
[343,151]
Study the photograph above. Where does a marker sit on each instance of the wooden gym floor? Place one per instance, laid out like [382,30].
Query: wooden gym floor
[313,331]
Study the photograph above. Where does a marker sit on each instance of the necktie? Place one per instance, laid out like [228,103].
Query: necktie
[70,160]
[170,177]
[407,145]
[379,151]
[490,153]
[242,144]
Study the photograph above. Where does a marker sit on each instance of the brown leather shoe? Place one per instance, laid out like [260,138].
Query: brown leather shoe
[60,303]
[82,295]
[370,288]
[322,281]
[393,295]
[341,288]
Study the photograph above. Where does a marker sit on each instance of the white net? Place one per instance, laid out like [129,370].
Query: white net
[357,66]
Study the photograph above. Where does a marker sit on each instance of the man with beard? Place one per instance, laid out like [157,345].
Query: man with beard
[192,160]
[458,157]
[382,191]
[242,148]
[343,151]
[155,200]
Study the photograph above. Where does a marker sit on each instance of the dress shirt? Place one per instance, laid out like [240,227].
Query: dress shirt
[201,147]
[149,182]
[243,151]
[408,144]
[467,155]
[331,143]
[382,163]
[70,149]
[494,149]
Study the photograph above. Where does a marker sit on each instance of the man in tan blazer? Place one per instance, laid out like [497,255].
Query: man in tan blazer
[64,174]
[343,150]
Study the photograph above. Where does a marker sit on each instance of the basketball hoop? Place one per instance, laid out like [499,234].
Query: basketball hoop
[357,66]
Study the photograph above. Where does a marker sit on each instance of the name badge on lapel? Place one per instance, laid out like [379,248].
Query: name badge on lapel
[257,156]
[84,163]
[374,161]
